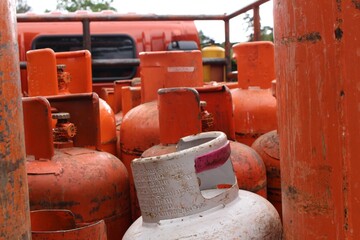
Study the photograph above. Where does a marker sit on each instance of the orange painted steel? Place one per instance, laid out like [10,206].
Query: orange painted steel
[60,224]
[92,184]
[118,108]
[169,69]
[248,165]
[176,107]
[14,198]
[317,47]
[78,64]
[267,146]
[42,81]
[254,105]
[140,126]
[131,97]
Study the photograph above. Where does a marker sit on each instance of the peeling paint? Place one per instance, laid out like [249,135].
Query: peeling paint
[356,4]
[338,33]
[312,37]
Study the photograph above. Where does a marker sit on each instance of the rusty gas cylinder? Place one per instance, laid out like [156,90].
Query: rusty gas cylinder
[140,126]
[63,78]
[192,193]
[60,225]
[248,166]
[125,98]
[317,51]
[267,146]
[90,183]
[47,76]
[167,69]
[14,198]
[254,105]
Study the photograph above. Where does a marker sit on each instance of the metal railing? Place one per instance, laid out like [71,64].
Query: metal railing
[85,20]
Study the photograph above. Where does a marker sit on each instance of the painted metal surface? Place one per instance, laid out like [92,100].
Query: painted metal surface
[248,165]
[42,81]
[317,54]
[267,146]
[14,198]
[254,105]
[60,224]
[140,126]
[193,194]
[169,69]
[90,183]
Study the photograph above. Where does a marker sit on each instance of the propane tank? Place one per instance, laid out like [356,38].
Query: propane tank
[192,193]
[317,47]
[91,184]
[248,165]
[254,105]
[267,146]
[60,224]
[124,100]
[213,72]
[14,198]
[140,126]
[51,73]
[166,69]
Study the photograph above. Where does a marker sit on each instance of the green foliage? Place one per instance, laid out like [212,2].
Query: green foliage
[266,32]
[22,6]
[93,5]
[204,40]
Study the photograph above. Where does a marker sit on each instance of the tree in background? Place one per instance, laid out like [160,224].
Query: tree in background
[93,5]
[266,32]
[22,6]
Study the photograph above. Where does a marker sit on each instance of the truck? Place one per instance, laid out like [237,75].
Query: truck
[118,43]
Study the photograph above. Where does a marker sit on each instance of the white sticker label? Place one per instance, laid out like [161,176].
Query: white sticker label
[181,69]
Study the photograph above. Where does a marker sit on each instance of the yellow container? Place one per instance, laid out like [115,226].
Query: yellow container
[213,72]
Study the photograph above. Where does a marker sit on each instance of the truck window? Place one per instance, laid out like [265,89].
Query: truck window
[102,47]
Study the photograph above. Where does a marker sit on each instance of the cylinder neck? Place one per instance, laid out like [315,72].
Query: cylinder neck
[169,69]
[203,160]
[179,114]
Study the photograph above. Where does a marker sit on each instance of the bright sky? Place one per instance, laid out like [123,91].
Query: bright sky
[212,29]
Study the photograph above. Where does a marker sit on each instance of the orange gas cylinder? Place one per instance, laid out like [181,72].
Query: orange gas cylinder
[60,225]
[169,69]
[91,184]
[214,73]
[192,193]
[254,105]
[74,76]
[120,105]
[14,198]
[248,165]
[267,146]
[318,54]
[140,126]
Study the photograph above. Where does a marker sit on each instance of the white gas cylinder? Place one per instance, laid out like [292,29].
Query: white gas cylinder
[193,194]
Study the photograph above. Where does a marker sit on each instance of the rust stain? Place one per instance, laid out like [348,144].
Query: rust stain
[338,33]
[356,4]
[312,37]
[307,203]
[338,3]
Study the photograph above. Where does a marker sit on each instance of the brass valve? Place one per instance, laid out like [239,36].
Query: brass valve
[64,131]
[207,119]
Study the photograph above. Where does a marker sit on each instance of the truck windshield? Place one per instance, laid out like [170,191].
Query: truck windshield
[102,47]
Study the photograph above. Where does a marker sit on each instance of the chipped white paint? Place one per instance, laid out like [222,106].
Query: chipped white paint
[179,197]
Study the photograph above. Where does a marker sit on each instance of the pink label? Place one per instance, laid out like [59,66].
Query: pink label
[212,159]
